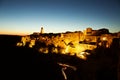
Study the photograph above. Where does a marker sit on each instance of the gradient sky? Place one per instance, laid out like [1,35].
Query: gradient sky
[28,16]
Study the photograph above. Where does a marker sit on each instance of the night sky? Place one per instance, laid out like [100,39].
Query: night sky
[28,16]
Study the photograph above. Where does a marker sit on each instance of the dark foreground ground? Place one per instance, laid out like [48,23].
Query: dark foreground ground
[25,63]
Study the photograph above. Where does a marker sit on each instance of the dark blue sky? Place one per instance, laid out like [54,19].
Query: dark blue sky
[27,16]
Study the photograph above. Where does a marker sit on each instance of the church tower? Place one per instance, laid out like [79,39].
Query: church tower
[42,30]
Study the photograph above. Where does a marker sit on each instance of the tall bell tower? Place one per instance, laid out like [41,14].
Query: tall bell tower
[42,30]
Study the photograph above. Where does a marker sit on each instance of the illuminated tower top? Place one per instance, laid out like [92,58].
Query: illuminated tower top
[42,30]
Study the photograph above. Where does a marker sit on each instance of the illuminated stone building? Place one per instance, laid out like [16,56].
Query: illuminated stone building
[72,43]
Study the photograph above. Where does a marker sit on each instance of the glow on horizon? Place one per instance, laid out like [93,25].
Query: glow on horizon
[56,29]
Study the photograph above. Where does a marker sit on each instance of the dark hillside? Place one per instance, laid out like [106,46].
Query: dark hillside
[27,63]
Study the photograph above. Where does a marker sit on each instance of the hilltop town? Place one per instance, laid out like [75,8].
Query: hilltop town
[73,43]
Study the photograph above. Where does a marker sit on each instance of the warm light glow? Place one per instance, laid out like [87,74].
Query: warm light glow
[104,38]
[83,55]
